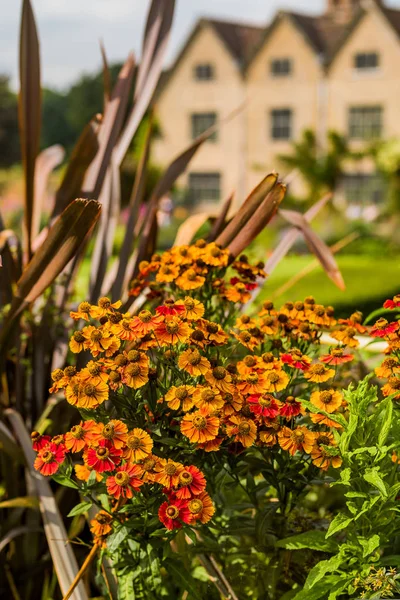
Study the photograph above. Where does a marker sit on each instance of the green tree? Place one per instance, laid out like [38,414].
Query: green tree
[56,128]
[9,143]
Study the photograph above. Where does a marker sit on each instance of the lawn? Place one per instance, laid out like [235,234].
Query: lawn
[369,280]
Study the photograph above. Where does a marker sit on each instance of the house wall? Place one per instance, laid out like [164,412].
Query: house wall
[184,95]
[298,91]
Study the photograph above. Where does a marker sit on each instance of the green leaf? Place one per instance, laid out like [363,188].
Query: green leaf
[321,569]
[384,424]
[65,481]
[103,499]
[379,313]
[335,417]
[339,522]
[183,577]
[314,540]
[116,538]
[369,545]
[376,480]
[79,509]
[316,593]
[92,480]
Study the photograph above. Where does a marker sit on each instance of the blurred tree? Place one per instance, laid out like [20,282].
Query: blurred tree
[322,170]
[9,141]
[56,128]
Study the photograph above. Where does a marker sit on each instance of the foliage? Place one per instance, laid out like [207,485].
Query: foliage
[9,147]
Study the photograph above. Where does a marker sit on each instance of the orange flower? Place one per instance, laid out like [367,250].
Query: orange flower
[123,329]
[276,381]
[94,372]
[193,363]
[215,256]
[82,473]
[125,481]
[83,312]
[220,378]
[392,387]
[167,273]
[254,383]
[211,445]
[237,293]
[99,340]
[92,395]
[293,440]
[327,400]
[114,431]
[318,373]
[80,436]
[323,456]
[244,430]
[194,309]
[247,340]
[138,445]
[77,342]
[104,307]
[346,335]
[383,328]
[244,322]
[248,365]
[205,396]
[200,426]
[167,473]
[189,280]
[295,359]
[269,325]
[232,403]
[149,465]
[389,367]
[201,508]
[172,331]
[145,322]
[180,396]
[269,436]
[72,391]
[212,332]
[135,376]
[322,420]
[267,362]
[101,524]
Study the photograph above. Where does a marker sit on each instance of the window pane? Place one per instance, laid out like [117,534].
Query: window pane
[204,72]
[281,124]
[201,122]
[364,189]
[366,60]
[204,187]
[365,122]
[281,67]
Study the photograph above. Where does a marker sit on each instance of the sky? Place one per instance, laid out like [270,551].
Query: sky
[70,30]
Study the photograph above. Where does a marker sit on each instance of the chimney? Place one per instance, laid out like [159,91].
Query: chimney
[342,11]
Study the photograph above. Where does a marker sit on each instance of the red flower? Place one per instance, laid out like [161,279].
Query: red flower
[49,459]
[173,512]
[234,280]
[291,408]
[296,360]
[171,309]
[103,458]
[39,441]
[336,357]
[125,481]
[250,286]
[382,328]
[395,303]
[191,483]
[266,405]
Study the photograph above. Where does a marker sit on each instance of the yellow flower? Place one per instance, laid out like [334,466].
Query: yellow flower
[91,396]
[193,362]
[134,375]
[167,273]
[244,430]
[172,331]
[138,445]
[318,373]
[180,396]
[194,309]
[206,396]
[99,340]
[215,256]
[190,280]
[327,400]
[276,380]
[77,342]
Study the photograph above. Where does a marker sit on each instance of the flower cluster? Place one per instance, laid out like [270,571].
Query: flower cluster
[190,375]
[389,331]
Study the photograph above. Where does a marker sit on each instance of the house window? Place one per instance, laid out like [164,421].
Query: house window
[365,122]
[201,122]
[364,189]
[281,67]
[204,72]
[281,124]
[204,187]
[366,60]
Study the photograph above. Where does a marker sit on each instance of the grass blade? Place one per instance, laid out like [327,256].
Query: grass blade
[189,227]
[155,43]
[291,236]
[248,208]
[47,160]
[220,222]
[109,131]
[134,204]
[317,246]
[29,111]
[256,223]
[64,560]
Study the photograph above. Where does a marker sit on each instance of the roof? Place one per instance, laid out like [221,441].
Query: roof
[239,39]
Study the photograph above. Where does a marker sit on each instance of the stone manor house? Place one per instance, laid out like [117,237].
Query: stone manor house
[338,71]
